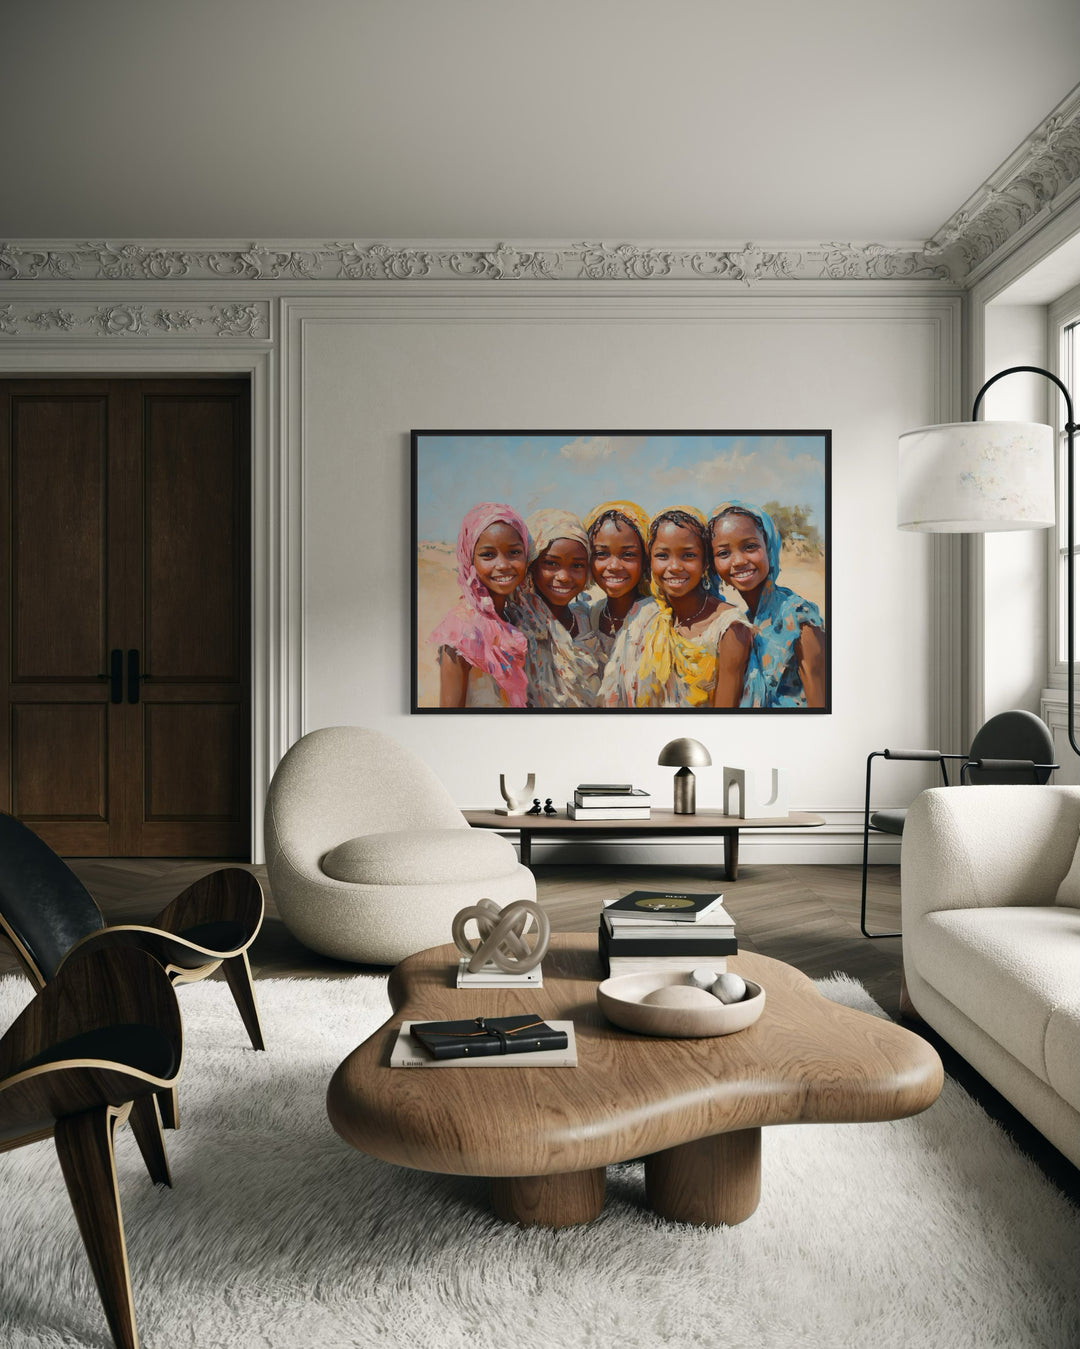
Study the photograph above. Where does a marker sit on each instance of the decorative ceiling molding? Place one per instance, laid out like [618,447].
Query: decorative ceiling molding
[450,262]
[136,320]
[1038,179]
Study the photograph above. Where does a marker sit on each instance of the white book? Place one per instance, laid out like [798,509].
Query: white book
[642,964]
[575,812]
[406,1053]
[716,923]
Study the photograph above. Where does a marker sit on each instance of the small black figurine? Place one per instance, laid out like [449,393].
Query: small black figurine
[535,810]
[549,809]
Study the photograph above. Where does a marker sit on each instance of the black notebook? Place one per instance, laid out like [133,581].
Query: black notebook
[484,1036]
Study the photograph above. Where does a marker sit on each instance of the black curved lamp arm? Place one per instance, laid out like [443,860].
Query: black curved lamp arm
[1070,430]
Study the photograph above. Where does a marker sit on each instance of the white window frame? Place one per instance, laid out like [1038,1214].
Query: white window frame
[1064,350]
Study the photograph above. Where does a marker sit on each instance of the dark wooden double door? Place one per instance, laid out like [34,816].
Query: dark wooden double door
[125,639]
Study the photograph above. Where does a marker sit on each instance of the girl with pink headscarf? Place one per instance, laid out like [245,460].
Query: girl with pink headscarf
[481,655]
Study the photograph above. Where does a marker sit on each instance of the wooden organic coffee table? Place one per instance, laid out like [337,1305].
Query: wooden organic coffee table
[694,1109]
[664,823]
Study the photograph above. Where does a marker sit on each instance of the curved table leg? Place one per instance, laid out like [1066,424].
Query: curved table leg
[549,1201]
[713,1180]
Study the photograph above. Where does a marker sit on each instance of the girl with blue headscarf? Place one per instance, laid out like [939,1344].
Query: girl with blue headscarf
[787,664]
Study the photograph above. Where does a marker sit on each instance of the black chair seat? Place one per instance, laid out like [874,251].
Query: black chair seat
[888,821]
[137,1046]
[219,936]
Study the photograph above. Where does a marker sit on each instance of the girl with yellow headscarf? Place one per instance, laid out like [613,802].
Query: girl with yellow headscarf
[692,651]
[617,533]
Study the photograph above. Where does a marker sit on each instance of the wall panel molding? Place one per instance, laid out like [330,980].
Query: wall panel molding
[128,319]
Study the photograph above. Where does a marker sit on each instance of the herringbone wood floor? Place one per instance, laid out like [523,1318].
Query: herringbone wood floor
[807,916]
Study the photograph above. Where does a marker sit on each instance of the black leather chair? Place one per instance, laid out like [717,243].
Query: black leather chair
[1012,747]
[92,1050]
[49,917]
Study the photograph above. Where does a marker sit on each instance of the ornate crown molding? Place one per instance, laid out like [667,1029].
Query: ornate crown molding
[361,262]
[1040,177]
[136,320]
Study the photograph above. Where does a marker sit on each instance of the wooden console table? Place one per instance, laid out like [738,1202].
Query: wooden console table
[661,822]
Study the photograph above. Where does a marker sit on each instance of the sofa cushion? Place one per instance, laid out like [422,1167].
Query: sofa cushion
[1069,889]
[1010,970]
[421,857]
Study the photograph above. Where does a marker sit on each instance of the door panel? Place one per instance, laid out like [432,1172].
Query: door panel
[194,519]
[58,480]
[191,759]
[52,783]
[126,504]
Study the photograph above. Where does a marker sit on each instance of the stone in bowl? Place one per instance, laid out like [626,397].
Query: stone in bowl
[621,1001]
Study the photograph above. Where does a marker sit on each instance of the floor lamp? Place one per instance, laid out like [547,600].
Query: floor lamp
[977,477]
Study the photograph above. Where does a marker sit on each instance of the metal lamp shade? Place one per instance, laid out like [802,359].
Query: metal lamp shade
[684,753]
[976,477]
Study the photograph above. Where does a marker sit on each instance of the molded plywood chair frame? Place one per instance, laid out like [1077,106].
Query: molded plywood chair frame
[92,1050]
[49,917]
[996,758]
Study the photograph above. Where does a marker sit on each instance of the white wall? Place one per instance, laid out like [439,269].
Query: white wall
[866,367]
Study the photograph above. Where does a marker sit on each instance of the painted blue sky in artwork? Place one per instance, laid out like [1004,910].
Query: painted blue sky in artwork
[577,472]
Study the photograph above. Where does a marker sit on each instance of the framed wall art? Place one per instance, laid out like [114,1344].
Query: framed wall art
[621,571]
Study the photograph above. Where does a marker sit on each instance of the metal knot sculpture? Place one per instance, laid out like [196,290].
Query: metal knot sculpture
[503,941]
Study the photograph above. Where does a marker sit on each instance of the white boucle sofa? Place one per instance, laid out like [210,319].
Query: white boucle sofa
[368,857]
[990,899]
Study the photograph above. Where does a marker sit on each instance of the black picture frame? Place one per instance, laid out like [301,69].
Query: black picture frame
[787,471]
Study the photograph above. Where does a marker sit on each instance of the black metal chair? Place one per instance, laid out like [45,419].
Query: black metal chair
[49,917]
[93,1049]
[1012,747]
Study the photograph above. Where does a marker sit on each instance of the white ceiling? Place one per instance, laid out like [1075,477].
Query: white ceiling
[601,120]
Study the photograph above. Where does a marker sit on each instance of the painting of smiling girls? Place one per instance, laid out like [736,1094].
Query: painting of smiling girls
[651,571]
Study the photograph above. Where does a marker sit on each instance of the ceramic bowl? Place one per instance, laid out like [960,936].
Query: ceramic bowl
[620,1000]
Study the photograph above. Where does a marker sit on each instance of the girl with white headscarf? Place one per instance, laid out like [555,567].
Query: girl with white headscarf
[562,659]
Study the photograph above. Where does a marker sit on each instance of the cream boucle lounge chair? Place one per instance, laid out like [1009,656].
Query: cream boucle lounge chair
[367,855]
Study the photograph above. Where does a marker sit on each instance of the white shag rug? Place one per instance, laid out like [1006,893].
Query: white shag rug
[927,1233]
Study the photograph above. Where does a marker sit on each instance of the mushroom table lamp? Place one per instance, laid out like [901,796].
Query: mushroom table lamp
[685,755]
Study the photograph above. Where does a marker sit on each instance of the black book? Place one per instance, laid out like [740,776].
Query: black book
[483,1036]
[681,908]
[673,945]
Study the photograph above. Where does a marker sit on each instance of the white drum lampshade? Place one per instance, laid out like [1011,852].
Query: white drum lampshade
[975,477]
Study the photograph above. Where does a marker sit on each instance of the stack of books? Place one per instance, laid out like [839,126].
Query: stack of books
[609,801]
[661,929]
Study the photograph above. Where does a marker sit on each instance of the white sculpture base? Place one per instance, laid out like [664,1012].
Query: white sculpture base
[492,977]
[751,800]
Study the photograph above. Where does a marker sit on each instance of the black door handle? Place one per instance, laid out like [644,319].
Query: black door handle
[133,676]
[116,675]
